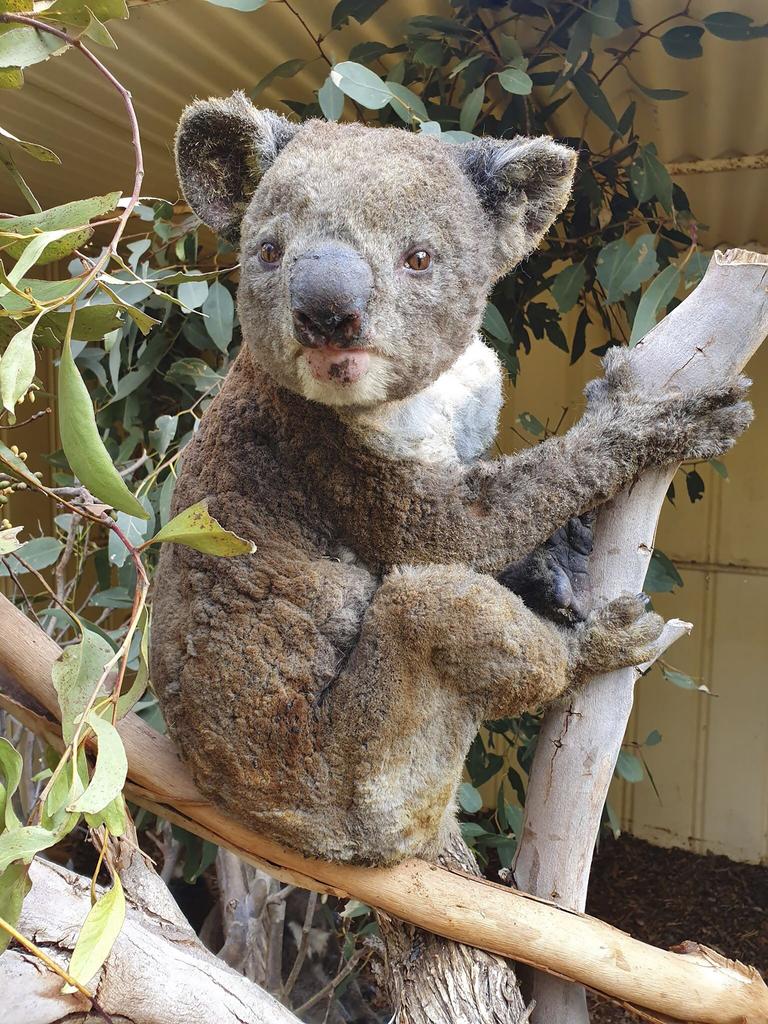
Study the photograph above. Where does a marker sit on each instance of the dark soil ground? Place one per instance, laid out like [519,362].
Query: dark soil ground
[667,896]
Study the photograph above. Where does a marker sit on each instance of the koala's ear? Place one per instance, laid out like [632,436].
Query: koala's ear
[222,149]
[523,184]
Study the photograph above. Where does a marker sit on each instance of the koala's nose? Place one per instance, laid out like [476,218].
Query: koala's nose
[330,287]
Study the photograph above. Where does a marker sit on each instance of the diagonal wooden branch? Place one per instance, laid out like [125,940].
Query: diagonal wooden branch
[697,987]
[708,337]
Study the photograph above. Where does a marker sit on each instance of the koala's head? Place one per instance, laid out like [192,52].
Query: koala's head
[367,253]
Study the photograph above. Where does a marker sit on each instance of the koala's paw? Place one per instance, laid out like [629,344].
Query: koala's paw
[711,419]
[553,581]
[620,634]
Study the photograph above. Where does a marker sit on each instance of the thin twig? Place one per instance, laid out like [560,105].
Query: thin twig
[303,945]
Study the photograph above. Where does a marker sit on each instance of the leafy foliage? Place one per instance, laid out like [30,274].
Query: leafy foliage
[144,326]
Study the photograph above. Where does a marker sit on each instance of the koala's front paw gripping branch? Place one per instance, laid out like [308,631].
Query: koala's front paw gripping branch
[708,337]
[697,986]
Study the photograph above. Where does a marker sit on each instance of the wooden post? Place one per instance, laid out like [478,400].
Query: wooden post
[710,336]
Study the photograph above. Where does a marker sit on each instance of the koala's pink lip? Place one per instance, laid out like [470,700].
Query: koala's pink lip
[337,365]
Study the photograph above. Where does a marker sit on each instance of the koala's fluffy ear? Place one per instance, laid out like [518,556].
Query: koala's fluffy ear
[222,149]
[523,185]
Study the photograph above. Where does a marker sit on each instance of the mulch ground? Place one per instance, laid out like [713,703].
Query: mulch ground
[667,896]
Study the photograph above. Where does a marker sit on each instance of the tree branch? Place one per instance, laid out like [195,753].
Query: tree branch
[698,986]
[709,336]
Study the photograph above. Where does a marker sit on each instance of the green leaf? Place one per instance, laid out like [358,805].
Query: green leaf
[361,84]
[649,177]
[17,367]
[287,69]
[199,530]
[622,268]
[14,886]
[683,42]
[603,18]
[22,47]
[656,94]
[595,98]
[425,23]
[567,286]
[516,81]
[83,447]
[406,104]
[32,148]
[219,308]
[24,843]
[719,468]
[110,772]
[38,553]
[97,936]
[331,100]
[143,320]
[728,25]
[240,5]
[495,324]
[75,675]
[11,765]
[685,682]
[80,13]
[469,798]
[656,297]
[653,738]
[161,437]
[430,54]
[470,108]
[662,576]
[113,816]
[192,294]
[530,423]
[360,10]
[629,767]
[70,215]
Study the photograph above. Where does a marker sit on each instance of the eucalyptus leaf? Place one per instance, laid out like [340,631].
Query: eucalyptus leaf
[470,109]
[516,81]
[98,933]
[495,324]
[656,297]
[38,553]
[21,844]
[14,887]
[331,100]
[287,69]
[11,765]
[22,47]
[17,367]
[76,214]
[406,104]
[629,767]
[197,529]
[111,768]
[361,84]
[622,268]
[568,285]
[75,675]
[240,5]
[595,98]
[683,41]
[469,798]
[82,445]
[219,309]
[34,149]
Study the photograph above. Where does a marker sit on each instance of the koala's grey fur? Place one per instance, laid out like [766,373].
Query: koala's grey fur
[325,689]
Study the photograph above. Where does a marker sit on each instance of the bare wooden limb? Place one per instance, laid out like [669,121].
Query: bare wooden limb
[709,336]
[157,972]
[687,987]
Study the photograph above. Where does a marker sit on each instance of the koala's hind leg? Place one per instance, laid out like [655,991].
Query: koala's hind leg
[442,648]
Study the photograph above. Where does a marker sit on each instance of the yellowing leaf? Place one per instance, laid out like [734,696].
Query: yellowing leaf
[97,936]
[70,215]
[32,148]
[82,445]
[196,528]
[111,768]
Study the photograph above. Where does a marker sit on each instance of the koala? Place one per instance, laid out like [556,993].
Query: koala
[325,689]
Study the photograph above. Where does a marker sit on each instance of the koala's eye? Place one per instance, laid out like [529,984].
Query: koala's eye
[269,253]
[418,260]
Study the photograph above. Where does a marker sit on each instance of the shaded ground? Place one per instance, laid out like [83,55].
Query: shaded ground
[666,896]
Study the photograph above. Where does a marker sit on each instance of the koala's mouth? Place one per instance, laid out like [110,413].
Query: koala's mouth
[331,365]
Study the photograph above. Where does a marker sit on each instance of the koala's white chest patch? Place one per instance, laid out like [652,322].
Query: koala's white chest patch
[453,420]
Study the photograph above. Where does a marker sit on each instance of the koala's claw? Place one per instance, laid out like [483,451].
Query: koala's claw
[620,634]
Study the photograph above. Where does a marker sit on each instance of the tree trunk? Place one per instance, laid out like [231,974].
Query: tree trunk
[157,973]
[710,336]
[433,981]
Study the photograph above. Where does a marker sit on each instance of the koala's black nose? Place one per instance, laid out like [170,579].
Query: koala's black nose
[330,287]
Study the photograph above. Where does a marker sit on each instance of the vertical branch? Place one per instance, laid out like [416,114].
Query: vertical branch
[709,336]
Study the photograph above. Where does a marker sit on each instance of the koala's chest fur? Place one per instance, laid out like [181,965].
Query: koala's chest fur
[454,420]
